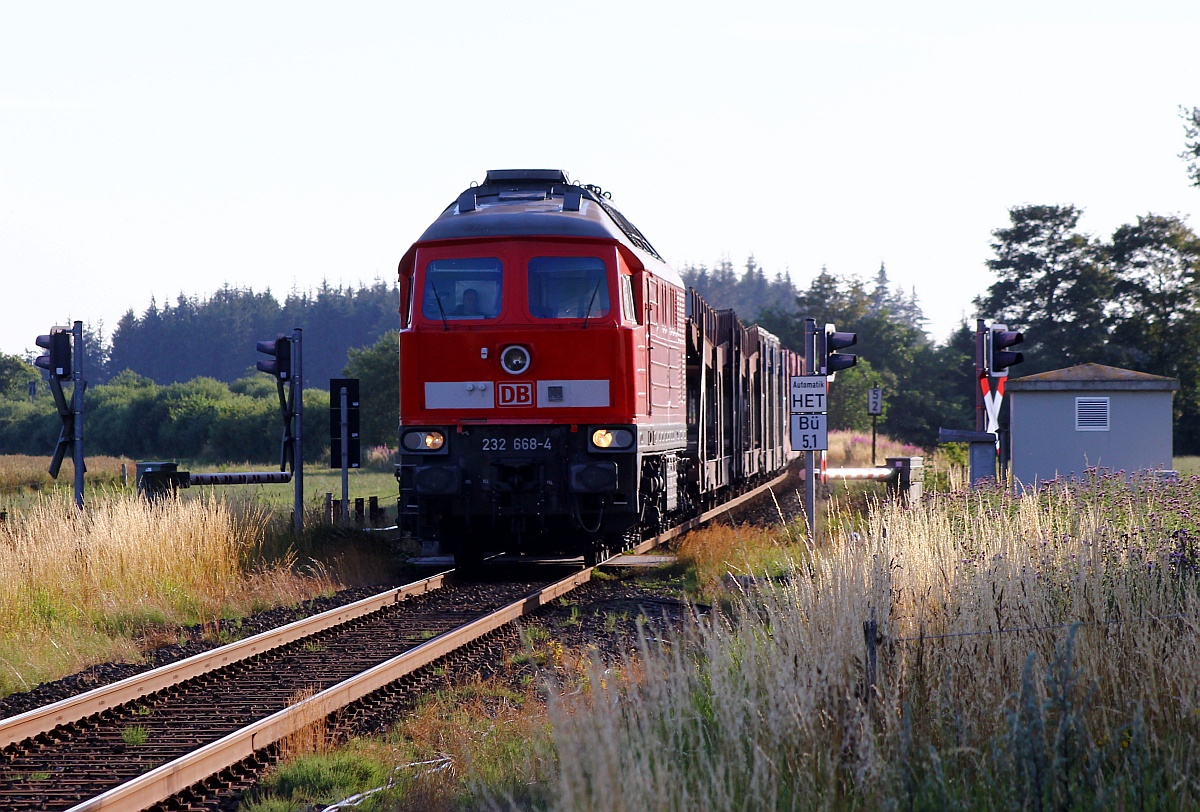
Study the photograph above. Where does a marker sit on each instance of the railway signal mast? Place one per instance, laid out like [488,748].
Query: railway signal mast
[993,357]
[286,366]
[64,365]
[809,401]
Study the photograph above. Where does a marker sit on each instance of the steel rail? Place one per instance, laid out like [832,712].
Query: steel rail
[725,507]
[44,719]
[174,777]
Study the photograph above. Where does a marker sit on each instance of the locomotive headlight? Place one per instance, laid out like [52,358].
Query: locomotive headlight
[514,359]
[612,439]
[423,440]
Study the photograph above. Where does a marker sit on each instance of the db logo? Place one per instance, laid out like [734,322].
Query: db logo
[515,394]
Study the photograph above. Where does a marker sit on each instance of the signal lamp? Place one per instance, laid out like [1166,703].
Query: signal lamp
[58,360]
[832,361]
[612,439]
[281,351]
[998,357]
[423,440]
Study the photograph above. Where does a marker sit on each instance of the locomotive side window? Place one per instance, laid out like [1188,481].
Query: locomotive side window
[568,288]
[406,296]
[463,289]
[628,307]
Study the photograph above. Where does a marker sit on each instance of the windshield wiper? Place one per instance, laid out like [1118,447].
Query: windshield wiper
[596,290]
[441,309]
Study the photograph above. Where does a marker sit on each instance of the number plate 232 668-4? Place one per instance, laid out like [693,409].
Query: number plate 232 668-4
[516,444]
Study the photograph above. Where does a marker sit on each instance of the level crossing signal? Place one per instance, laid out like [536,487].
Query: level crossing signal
[997,355]
[281,351]
[830,341]
[57,360]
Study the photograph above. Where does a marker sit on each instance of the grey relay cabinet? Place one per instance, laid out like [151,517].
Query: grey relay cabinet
[1067,420]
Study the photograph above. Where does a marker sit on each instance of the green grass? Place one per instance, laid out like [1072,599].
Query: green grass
[1187,466]
[457,745]
[318,778]
[24,483]
[318,481]
[135,735]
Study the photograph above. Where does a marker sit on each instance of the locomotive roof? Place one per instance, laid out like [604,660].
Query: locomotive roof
[535,202]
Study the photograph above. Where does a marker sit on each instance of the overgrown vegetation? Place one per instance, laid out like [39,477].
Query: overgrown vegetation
[203,419]
[1032,653]
[78,588]
[134,417]
[435,758]
[1028,653]
[23,473]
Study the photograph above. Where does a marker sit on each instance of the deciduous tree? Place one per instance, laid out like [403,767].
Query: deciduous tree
[1052,284]
[1191,153]
[377,368]
[15,375]
[1155,320]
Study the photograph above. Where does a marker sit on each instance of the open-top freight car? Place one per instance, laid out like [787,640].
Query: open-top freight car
[560,390]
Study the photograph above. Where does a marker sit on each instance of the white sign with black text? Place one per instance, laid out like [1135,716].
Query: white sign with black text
[875,401]
[810,432]
[808,394]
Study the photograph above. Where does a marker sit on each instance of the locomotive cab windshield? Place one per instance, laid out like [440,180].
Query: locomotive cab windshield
[568,288]
[463,289]
[575,288]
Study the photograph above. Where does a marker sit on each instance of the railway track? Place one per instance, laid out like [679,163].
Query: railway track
[161,737]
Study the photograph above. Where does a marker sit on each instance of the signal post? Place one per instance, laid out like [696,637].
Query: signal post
[993,357]
[287,369]
[64,365]
[808,406]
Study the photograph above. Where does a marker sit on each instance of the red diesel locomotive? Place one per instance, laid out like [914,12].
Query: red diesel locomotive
[560,390]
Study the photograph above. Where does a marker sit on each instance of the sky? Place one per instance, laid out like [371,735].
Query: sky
[149,150]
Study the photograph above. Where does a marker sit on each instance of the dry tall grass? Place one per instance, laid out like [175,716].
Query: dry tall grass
[20,472]
[83,587]
[720,557]
[1032,653]
[313,736]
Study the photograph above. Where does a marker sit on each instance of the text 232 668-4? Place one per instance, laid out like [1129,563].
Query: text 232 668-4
[516,444]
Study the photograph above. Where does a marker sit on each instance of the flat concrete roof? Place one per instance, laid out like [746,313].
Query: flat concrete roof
[1092,378]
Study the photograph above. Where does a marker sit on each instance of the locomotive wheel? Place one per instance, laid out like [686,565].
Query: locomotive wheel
[468,555]
[468,558]
[598,550]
